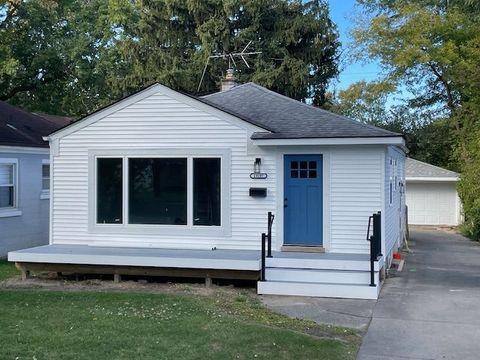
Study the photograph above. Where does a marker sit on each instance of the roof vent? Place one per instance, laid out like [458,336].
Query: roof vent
[229,81]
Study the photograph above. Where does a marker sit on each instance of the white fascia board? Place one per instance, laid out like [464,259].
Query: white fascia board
[24,149]
[154,89]
[387,140]
[431,179]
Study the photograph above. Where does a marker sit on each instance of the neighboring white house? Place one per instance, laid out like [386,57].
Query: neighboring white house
[24,177]
[164,180]
[432,197]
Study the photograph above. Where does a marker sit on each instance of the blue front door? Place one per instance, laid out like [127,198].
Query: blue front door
[303,198]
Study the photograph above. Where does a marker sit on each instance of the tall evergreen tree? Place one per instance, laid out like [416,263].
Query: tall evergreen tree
[72,56]
[174,39]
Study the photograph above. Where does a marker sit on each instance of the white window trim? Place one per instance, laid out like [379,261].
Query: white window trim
[14,210]
[183,230]
[45,193]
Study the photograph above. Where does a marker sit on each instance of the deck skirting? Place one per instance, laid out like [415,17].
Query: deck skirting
[117,270]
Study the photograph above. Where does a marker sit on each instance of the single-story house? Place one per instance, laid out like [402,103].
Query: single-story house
[432,197]
[24,177]
[165,183]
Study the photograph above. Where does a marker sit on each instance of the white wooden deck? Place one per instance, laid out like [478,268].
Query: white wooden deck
[122,256]
[287,273]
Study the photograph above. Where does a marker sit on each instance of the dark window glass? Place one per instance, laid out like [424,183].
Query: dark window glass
[294,173]
[45,177]
[303,164]
[157,191]
[7,187]
[312,165]
[206,191]
[7,196]
[294,164]
[312,173]
[109,191]
[303,173]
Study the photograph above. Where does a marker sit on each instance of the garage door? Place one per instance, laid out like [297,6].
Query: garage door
[432,203]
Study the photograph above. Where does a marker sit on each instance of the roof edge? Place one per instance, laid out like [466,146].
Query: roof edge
[432,178]
[366,140]
[135,97]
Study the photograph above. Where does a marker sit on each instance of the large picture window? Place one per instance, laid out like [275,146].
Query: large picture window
[109,190]
[7,185]
[157,191]
[183,192]
[206,191]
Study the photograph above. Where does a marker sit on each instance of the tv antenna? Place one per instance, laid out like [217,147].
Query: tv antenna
[243,55]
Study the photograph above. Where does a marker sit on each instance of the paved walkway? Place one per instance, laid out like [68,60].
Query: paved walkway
[350,313]
[431,310]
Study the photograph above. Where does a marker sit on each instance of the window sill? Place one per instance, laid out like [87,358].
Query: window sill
[10,213]
[44,195]
[167,230]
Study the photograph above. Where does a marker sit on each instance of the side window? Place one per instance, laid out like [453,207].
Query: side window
[8,184]
[207,191]
[109,191]
[45,194]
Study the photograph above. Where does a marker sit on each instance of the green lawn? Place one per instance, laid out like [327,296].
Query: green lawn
[7,270]
[223,324]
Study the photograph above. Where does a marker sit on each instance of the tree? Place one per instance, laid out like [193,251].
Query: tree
[57,56]
[173,40]
[421,46]
[431,48]
[427,136]
[364,102]
[72,56]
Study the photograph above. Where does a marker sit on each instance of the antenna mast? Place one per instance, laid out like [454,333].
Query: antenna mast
[231,59]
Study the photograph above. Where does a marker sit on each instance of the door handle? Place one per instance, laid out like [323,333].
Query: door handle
[285,202]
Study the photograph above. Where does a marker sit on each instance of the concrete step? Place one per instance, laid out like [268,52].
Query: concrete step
[348,291]
[320,263]
[320,276]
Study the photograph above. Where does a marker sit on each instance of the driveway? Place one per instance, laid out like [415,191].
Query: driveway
[431,310]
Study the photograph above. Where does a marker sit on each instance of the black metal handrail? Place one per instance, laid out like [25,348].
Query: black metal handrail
[375,242]
[262,271]
[271,217]
[266,248]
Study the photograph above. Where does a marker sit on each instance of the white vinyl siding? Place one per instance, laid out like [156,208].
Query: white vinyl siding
[395,197]
[355,194]
[159,122]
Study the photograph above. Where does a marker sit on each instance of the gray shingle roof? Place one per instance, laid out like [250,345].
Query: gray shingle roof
[21,128]
[415,169]
[286,117]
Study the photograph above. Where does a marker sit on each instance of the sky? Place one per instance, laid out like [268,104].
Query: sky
[341,12]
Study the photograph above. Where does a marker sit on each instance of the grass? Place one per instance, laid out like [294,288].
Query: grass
[220,324]
[7,270]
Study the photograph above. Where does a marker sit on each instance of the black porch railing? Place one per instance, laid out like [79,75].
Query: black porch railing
[266,244]
[375,239]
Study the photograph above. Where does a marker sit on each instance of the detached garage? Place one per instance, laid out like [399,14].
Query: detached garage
[431,195]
